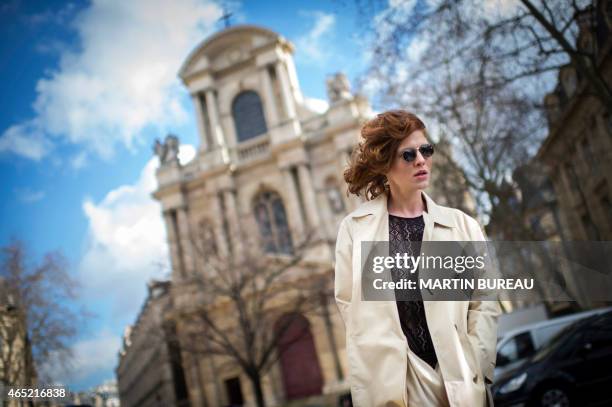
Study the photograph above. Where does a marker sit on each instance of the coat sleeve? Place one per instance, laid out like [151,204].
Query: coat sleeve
[482,319]
[343,273]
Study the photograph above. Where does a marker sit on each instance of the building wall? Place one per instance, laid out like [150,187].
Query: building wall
[16,364]
[144,373]
[578,149]
[578,152]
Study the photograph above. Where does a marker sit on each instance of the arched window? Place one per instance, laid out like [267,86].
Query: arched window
[205,239]
[272,221]
[248,115]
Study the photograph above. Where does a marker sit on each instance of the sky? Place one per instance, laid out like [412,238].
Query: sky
[86,88]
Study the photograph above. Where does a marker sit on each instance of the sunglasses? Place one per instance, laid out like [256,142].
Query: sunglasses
[410,154]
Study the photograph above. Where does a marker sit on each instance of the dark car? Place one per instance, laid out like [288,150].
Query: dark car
[573,369]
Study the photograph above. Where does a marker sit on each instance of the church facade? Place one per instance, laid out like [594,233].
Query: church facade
[265,155]
[262,151]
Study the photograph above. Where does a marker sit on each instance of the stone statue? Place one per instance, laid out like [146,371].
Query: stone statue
[338,88]
[168,150]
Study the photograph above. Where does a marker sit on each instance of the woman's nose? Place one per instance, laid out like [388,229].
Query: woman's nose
[419,160]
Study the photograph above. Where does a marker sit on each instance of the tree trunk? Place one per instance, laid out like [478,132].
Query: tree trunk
[255,378]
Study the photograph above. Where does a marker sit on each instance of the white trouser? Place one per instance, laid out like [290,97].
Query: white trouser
[425,385]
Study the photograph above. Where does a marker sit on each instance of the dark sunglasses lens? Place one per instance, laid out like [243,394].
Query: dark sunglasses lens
[409,155]
[427,150]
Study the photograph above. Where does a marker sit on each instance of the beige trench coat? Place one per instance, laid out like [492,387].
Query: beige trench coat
[464,333]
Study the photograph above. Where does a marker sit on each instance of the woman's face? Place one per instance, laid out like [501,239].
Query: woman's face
[410,176]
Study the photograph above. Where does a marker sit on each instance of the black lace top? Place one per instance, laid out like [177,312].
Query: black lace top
[411,313]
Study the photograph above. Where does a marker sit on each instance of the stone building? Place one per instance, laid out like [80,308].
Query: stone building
[104,395]
[264,153]
[578,148]
[150,370]
[260,145]
[16,362]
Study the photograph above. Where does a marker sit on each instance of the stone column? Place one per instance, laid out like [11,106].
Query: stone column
[308,192]
[224,248]
[185,236]
[174,243]
[293,206]
[198,387]
[233,219]
[287,96]
[214,376]
[202,131]
[268,95]
[214,119]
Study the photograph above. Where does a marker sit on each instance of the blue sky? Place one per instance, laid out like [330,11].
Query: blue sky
[86,87]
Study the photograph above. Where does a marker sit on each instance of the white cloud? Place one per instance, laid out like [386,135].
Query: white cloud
[27,195]
[25,139]
[126,247]
[310,47]
[122,79]
[56,17]
[126,241]
[384,22]
[416,48]
[402,5]
[316,105]
[90,356]
[500,8]
[79,160]
[186,153]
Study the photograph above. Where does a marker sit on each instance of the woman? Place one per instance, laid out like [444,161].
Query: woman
[419,353]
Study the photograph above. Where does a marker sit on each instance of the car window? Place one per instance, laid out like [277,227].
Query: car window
[524,345]
[545,333]
[600,334]
[507,353]
[518,347]
[555,341]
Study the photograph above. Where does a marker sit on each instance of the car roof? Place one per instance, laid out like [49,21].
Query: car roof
[599,317]
[566,318]
[590,320]
[570,329]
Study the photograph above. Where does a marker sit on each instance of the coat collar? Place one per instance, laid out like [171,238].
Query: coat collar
[378,208]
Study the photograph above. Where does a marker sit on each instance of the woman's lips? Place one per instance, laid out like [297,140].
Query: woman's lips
[421,175]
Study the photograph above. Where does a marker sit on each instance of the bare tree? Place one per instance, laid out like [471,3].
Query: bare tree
[488,132]
[478,75]
[527,40]
[479,71]
[243,307]
[39,319]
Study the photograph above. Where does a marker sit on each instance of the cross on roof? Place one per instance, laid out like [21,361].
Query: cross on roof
[225,17]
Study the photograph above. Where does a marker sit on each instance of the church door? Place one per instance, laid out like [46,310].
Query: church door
[299,361]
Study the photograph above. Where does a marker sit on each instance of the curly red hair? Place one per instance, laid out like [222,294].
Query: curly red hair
[372,158]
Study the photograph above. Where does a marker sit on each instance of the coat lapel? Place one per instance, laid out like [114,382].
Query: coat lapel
[377,228]
[372,222]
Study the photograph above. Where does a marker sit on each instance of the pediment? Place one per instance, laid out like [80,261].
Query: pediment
[225,48]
